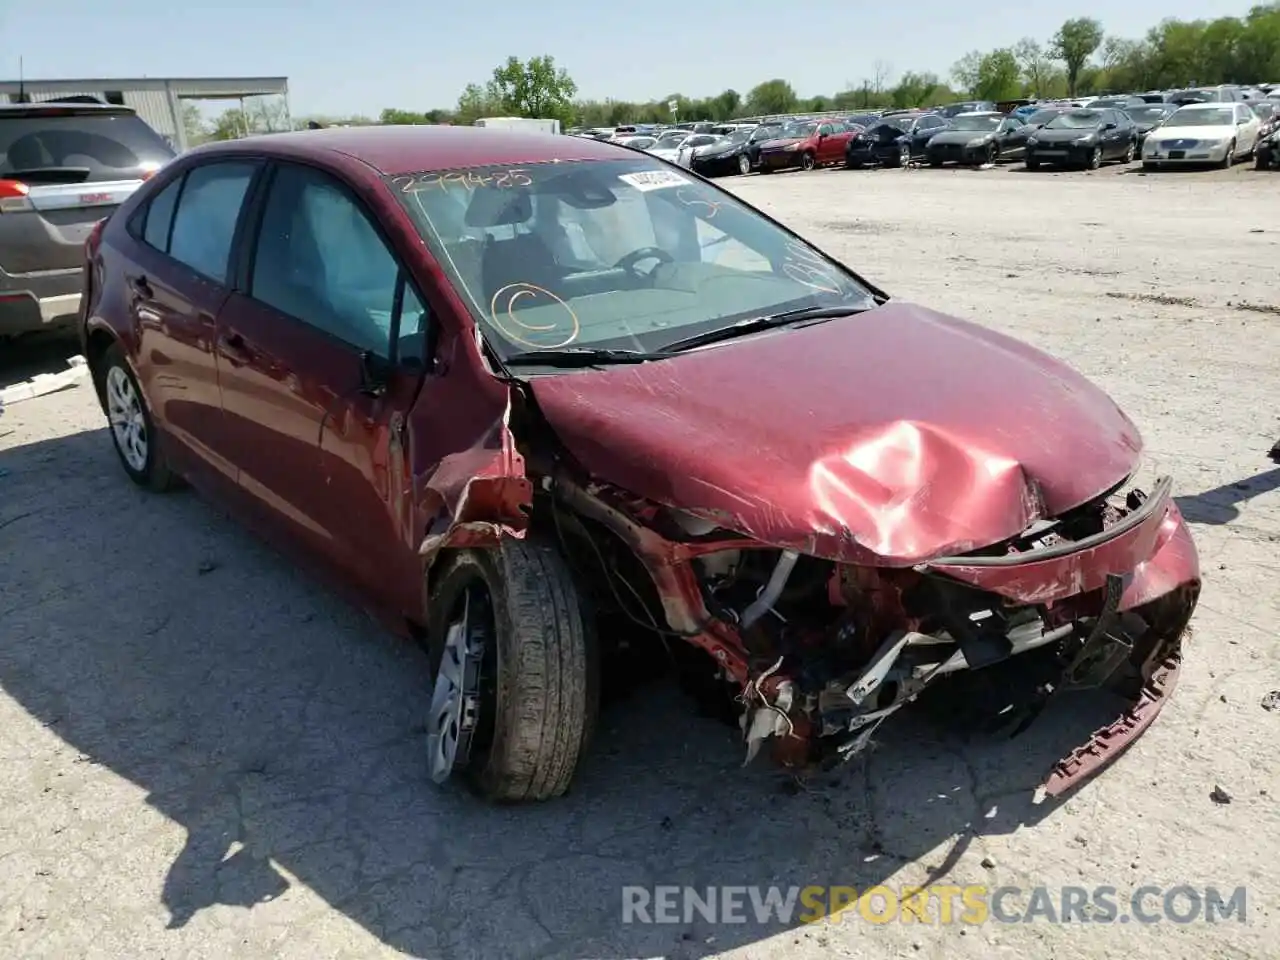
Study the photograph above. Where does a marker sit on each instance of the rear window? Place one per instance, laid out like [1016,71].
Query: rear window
[68,146]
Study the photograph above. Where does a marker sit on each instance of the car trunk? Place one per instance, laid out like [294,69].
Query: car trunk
[63,169]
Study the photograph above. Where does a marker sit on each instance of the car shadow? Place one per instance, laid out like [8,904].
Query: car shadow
[283,732]
[34,355]
[1220,505]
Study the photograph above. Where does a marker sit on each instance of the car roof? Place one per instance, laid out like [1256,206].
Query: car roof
[1207,106]
[395,150]
[979,113]
[63,106]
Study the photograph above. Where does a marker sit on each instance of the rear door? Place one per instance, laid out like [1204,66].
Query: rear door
[322,298]
[78,162]
[176,277]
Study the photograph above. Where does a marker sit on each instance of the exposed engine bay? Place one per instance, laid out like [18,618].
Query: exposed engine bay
[820,653]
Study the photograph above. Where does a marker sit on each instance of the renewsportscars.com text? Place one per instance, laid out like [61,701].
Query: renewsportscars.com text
[936,904]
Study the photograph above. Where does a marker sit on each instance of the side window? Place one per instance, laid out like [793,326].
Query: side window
[825,129]
[159,217]
[205,222]
[320,259]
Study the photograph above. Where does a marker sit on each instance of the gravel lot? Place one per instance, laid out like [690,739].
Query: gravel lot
[204,754]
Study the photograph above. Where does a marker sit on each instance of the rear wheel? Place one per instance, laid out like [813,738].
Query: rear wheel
[516,679]
[133,431]
[1095,158]
[1130,151]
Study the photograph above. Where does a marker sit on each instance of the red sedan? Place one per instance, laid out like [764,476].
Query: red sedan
[497,384]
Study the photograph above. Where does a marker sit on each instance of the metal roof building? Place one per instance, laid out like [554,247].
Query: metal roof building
[157,100]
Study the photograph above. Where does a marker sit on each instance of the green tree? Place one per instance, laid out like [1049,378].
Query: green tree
[1036,66]
[727,104]
[536,88]
[1073,44]
[193,124]
[965,71]
[915,89]
[476,102]
[772,96]
[999,77]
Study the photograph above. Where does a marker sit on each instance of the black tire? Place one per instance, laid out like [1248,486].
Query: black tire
[935,162]
[1150,165]
[808,161]
[155,474]
[1130,152]
[1259,162]
[1095,159]
[543,653]
[1229,157]
[904,157]
[766,169]
[851,164]
[744,164]
[991,156]
[1033,164]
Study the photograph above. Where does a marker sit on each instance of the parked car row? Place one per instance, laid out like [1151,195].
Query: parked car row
[1064,134]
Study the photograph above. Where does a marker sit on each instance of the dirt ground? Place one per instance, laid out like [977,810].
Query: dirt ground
[205,755]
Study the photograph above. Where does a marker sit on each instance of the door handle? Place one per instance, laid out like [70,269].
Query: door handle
[141,287]
[235,349]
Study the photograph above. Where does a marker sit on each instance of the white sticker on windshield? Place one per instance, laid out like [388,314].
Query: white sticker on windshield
[654,179]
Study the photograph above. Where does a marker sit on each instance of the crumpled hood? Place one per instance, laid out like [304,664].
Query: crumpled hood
[1196,133]
[894,436]
[781,143]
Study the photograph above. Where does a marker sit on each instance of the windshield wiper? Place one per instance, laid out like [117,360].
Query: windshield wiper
[753,324]
[579,357]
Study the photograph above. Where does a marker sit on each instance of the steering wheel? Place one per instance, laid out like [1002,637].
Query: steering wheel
[630,261]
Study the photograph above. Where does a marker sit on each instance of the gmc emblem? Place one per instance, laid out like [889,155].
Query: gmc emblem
[88,198]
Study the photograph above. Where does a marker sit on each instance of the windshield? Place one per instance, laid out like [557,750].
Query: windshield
[1147,114]
[975,123]
[1075,120]
[669,141]
[765,133]
[1203,117]
[1041,117]
[611,254]
[801,130]
[79,146]
[737,136]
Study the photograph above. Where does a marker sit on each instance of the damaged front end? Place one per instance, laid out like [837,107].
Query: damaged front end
[821,652]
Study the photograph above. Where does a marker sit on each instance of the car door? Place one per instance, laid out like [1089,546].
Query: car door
[322,302]
[1011,137]
[934,127]
[827,144]
[176,278]
[1247,122]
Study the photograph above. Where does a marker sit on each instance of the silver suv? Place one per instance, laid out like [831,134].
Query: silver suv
[63,167]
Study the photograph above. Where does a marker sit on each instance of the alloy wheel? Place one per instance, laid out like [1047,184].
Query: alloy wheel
[744,163]
[128,425]
[456,699]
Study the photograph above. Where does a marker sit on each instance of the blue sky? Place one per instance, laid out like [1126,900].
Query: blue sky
[346,57]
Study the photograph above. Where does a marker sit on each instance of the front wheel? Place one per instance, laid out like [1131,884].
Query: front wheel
[1095,158]
[904,156]
[516,677]
[744,164]
[1130,151]
[807,161]
[1229,157]
[133,432]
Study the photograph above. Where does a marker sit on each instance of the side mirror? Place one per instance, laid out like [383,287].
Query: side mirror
[1110,125]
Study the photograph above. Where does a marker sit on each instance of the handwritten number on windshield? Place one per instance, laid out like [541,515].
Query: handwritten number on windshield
[464,179]
[809,269]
